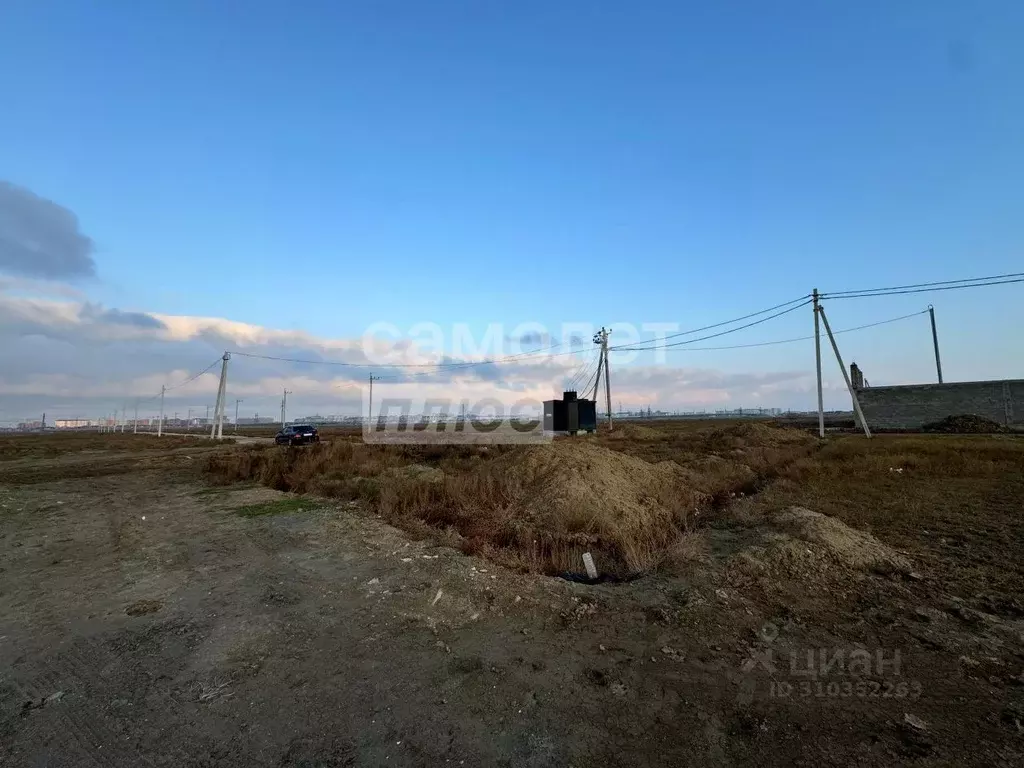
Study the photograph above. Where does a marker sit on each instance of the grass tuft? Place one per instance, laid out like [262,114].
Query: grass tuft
[277,507]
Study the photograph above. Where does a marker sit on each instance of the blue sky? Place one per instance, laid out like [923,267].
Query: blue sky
[502,162]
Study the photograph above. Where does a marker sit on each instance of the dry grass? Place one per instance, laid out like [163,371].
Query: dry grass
[950,504]
[624,497]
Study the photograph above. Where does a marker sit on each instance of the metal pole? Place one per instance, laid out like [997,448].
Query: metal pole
[817,364]
[935,341]
[846,375]
[160,426]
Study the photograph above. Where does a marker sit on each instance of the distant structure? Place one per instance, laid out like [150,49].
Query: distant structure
[571,414]
[911,406]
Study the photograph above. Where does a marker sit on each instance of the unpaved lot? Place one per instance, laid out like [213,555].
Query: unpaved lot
[144,621]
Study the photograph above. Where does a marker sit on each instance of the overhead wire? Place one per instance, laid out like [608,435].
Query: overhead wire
[939,285]
[193,378]
[713,335]
[584,372]
[798,338]
[464,364]
[734,320]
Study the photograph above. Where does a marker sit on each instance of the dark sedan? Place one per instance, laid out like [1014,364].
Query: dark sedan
[297,434]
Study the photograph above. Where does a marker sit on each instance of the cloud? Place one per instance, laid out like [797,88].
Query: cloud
[39,238]
[81,359]
[98,314]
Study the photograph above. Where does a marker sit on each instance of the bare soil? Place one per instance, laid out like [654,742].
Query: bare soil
[149,619]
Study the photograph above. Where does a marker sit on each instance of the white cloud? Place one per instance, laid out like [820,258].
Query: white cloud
[77,358]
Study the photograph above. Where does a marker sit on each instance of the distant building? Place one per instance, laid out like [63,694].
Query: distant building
[74,423]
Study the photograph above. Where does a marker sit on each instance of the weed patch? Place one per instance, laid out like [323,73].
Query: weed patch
[277,507]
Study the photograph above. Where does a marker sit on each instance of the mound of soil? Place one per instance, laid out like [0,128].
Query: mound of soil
[850,547]
[965,424]
[808,543]
[755,434]
[630,431]
[576,491]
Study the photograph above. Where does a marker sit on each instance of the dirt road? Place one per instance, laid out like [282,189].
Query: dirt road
[143,621]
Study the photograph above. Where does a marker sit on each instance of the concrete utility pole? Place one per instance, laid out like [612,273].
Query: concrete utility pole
[160,426]
[236,415]
[601,337]
[124,417]
[369,416]
[217,430]
[846,375]
[935,341]
[284,407]
[817,365]
[135,425]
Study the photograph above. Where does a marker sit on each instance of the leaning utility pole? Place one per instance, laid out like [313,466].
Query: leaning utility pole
[284,406]
[817,365]
[935,341]
[846,375]
[160,426]
[601,337]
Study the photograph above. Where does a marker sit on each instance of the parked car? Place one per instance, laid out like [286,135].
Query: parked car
[297,434]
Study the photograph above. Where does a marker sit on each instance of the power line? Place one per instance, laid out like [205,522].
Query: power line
[734,320]
[583,373]
[439,365]
[798,338]
[193,378]
[714,335]
[941,285]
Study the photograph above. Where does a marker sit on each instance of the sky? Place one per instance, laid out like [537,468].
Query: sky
[180,178]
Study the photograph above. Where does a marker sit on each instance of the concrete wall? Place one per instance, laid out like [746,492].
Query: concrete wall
[913,405]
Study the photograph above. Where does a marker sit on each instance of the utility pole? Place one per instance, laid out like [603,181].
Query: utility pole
[124,417]
[236,415]
[160,426]
[369,416]
[846,375]
[601,337]
[135,424]
[817,365]
[217,430]
[188,424]
[284,406]
[935,341]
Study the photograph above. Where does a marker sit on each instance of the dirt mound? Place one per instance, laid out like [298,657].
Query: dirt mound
[755,434]
[808,542]
[965,424]
[629,431]
[579,492]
